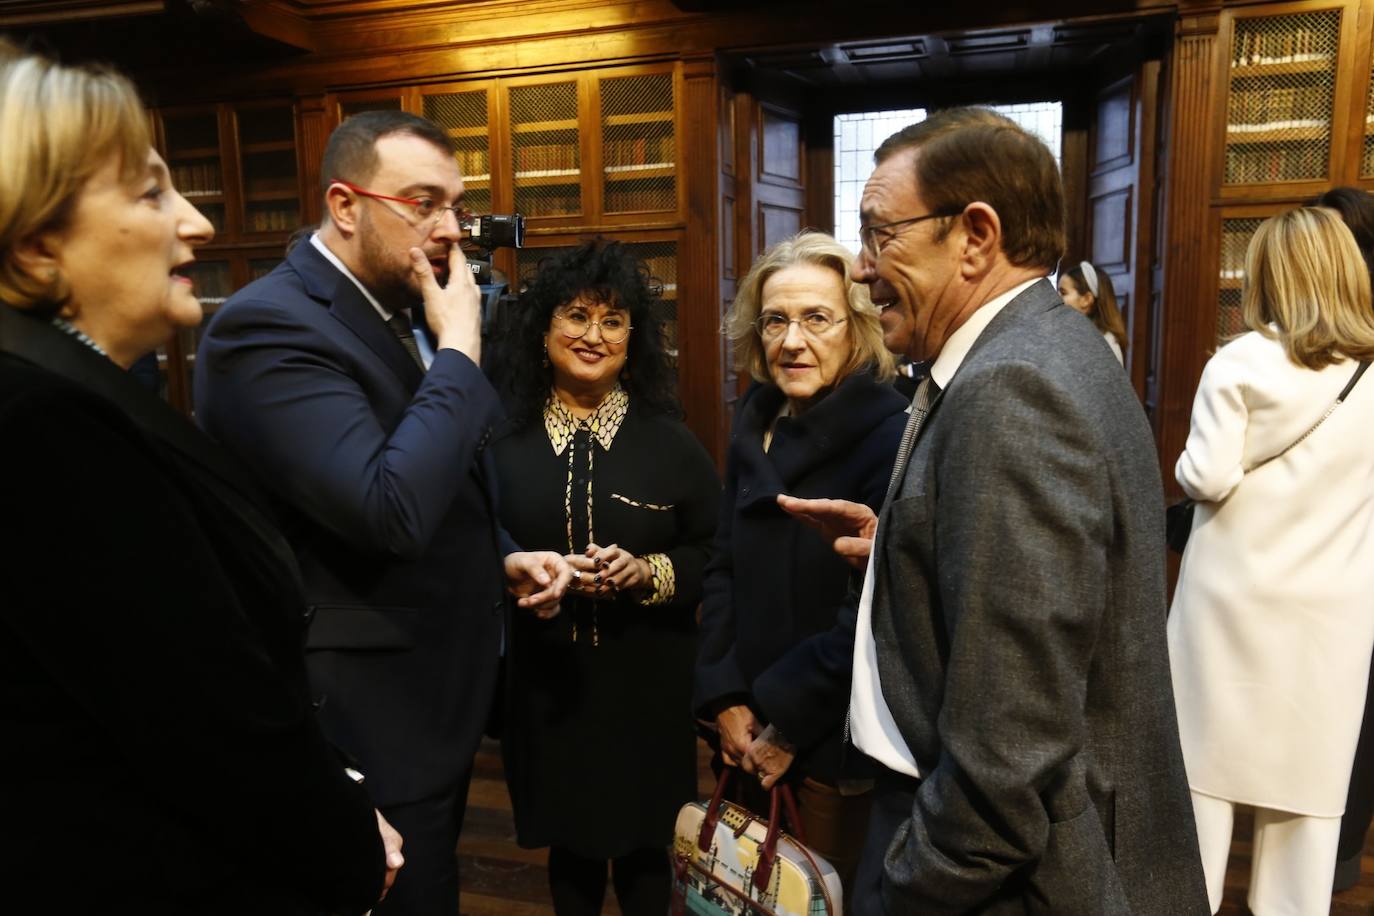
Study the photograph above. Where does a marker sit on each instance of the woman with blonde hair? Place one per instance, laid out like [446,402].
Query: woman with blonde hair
[821,421]
[1088,289]
[1270,633]
[161,750]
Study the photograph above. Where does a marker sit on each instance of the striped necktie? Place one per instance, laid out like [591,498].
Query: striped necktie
[400,326]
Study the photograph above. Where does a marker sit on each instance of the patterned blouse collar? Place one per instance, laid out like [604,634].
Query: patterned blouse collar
[603,423]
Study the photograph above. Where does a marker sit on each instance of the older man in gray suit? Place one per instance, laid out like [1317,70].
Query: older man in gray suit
[1011,675]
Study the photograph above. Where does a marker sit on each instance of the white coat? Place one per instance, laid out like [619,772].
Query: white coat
[1273,619]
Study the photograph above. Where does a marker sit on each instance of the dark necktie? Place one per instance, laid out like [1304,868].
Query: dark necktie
[920,406]
[400,325]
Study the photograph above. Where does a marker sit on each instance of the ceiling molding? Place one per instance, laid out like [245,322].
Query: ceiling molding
[51,12]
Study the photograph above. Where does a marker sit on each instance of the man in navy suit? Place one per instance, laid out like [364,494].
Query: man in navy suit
[372,437]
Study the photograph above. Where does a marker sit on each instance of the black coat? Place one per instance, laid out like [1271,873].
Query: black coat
[773,631]
[606,676]
[161,753]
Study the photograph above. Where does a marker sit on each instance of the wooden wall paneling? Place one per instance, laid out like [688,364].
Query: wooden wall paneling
[1112,193]
[742,126]
[312,127]
[700,369]
[779,187]
[1362,63]
[1073,160]
[819,144]
[1143,293]
[589,116]
[1186,317]
[727,239]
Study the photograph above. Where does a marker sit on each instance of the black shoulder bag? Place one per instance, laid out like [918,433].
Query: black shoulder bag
[1178,518]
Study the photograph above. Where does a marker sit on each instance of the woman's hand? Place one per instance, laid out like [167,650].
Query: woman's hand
[612,569]
[738,729]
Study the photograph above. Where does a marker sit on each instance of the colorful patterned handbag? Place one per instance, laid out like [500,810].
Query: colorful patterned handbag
[729,862]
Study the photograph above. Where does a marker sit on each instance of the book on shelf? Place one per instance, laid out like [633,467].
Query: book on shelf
[1305,161]
[1278,108]
[1300,45]
[547,158]
[638,151]
[197,179]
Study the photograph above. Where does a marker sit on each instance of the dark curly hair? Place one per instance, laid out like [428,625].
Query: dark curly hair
[609,272]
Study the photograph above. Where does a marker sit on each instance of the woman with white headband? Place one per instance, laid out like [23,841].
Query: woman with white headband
[1089,290]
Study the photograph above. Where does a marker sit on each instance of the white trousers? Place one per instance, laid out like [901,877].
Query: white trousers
[1292,857]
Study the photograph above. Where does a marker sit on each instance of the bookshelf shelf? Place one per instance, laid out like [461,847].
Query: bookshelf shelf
[637,118]
[640,172]
[468,133]
[545,127]
[274,146]
[1283,68]
[1236,137]
[550,177]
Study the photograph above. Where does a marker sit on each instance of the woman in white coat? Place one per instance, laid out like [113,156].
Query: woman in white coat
[1272,623]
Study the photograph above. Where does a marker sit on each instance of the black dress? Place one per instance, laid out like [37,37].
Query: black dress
[599,739]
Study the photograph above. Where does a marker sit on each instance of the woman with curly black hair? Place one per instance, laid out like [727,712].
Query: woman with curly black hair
[599,741]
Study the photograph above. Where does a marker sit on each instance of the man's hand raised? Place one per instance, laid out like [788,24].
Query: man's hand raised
[848,526]
[453,312]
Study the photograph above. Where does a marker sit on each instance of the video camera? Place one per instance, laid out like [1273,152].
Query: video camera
[489,232]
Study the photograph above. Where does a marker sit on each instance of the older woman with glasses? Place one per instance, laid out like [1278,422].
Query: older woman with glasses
[599,742]
[773,670]
[161,752]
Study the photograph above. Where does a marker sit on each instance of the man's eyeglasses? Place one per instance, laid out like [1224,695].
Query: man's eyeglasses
[772,326]
[428,212]
[614,328]
[874,238]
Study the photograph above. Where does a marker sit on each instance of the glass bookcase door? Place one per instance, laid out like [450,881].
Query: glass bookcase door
[1367,150]
[267,159]
[464,116]
[658,258]
[1235,238]
[192,144]
[1281,97]
[546,155]
[638,144]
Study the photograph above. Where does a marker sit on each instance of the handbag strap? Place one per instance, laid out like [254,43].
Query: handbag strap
[1345,393]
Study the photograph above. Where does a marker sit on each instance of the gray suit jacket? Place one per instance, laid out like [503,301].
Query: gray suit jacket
[1019,610]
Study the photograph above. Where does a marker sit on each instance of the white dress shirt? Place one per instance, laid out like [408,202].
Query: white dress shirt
[871,726]
[421,339]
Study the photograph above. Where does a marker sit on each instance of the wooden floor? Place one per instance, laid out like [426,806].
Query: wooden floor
[501,879]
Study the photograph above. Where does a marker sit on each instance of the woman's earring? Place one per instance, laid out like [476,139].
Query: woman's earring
[546,354]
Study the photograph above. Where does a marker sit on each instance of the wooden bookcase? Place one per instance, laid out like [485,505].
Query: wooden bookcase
[1294,107]
[239,165]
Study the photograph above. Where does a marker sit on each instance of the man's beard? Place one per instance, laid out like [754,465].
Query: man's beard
[390,279]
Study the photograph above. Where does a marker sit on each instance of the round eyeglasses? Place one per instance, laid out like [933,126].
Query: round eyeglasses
[614,328]
[427,211]
[773,326]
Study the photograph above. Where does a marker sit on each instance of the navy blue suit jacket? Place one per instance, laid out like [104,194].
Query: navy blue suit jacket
[386,498]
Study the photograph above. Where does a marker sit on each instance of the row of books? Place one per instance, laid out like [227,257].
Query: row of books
[1307,160]
[628,201]
[1278,108]
[1233,247]
[473,161]
[275,219]
[638,151]
[197,179]
[1252,49]
[536,202]
[546,157]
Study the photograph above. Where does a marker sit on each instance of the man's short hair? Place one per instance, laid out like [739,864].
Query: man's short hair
[351,153]
[973,154]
